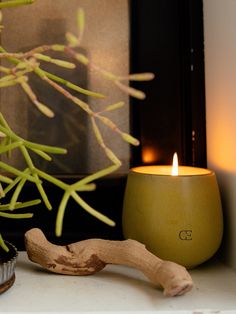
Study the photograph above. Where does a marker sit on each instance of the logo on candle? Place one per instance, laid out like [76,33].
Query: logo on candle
[185,235]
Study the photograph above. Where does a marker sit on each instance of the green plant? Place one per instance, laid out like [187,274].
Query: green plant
[20,68]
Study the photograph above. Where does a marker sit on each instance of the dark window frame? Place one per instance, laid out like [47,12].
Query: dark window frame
[187,63]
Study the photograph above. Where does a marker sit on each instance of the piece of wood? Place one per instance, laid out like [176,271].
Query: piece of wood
[90,256]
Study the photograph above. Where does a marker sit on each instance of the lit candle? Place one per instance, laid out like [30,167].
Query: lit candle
[172,170]
[175,211]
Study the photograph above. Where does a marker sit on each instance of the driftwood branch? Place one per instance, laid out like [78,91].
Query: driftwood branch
[90,256]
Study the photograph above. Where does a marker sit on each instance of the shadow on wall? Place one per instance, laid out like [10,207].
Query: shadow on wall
[227,185]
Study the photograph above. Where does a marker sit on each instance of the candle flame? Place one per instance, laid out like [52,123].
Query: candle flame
[175,170]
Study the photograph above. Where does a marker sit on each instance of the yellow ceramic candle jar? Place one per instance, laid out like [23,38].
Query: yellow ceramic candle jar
[178,218]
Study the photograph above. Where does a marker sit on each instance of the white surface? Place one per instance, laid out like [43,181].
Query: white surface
[220,78]
[115,289]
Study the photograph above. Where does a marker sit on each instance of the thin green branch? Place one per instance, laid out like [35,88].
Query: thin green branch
[59,62]
[16,193]
[80,24]
[31,145]
[20,205]
[35,175]
[112,107]
[3,244]
[13,3]
[87,187]
[41,107]
[17,172]
[2,194]
[41,154]
[64,92]
[15,181]
[4,122]
[5,179]
[126,137]
[109,153]
[9,147]
[92,177]
[12,60]
[137,77]
[71,85]
[61,212]
[16,216]
[9,83]
[116,79]
[91,210]
[46,148]
[5,70]
[52,179]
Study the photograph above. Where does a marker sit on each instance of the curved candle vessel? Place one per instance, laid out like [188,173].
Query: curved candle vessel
[178,218]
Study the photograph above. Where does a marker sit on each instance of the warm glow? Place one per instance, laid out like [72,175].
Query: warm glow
[184,171]
[175,169]
[149,155]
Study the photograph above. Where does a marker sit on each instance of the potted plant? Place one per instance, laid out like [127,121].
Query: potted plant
[7,265]
[17,71]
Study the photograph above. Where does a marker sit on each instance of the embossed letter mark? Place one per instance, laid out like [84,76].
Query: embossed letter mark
[185,235]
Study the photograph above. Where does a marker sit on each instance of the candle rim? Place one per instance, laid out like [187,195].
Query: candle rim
[204,171]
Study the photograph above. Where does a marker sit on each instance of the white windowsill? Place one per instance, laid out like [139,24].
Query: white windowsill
[115,289]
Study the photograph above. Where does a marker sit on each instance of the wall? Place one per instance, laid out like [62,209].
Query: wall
[220,71]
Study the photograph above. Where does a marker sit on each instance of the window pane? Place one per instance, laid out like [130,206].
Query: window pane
[106,44]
